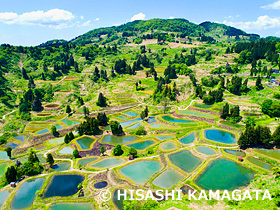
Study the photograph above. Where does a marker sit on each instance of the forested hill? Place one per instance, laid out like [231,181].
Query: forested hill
[181,28]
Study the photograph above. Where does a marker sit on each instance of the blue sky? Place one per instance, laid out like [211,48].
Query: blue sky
[31,22]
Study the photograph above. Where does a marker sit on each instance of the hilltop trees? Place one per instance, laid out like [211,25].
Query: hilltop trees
[9,152]
[50,159]
[116,127]
[102,149]
[101,101]
[89,127]
[259,85]
[164,90]
[144,114]
[76,153]
[276,135]
[271,108]
[11,174]
[53,130]
[231,114]
[68,109]
[117,151]
[253,137]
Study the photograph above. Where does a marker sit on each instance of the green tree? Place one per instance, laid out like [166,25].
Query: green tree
[133,151]
[141,131]
[224,111]
[50,159]
[66,139]
[259,85]
[117,151]
[116,127]
[102,150]
[9,151]
[86,111]
[276,135]
[71,136]
[101,100]
[32,157]
[76,153]
[11,174]
[68,109]
[250,121]
[53,130]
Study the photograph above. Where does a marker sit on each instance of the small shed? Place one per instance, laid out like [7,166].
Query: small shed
[130,157]
[240,158]
[13,184]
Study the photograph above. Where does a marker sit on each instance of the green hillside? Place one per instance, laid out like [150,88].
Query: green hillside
[180,28]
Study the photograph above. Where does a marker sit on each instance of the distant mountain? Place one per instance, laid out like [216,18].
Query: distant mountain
[180,27]
[54,42]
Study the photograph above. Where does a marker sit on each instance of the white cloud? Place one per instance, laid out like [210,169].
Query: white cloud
[171,17]
[139,16]
[54,18]
[82,17]
[274,5]
[97,19]
[87,23]
[262,22]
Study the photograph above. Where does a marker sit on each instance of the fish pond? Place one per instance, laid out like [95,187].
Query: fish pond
[179,159]
[164,137]
[85,142]
[3,196]
[136,125]
[68,122]
[66,150]
[129,122]
[46,130]
[85,161]
[118,139]
[141,145]
[63,166]
[206,150]
[20,138]
[168,179]
[3,155]
[58,127]
[140,171]
[107,163]
[131,113]
[56,141]
[118,202]
[260,163]
[224,174]
[63,185]
[175,120]
[188,139]
[71,206]
[220,136]
[235,152]
[26,193]
[12,145]
[169,145]
[100,185]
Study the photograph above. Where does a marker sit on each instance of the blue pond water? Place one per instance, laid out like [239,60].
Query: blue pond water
[121,117]
[12,145]
[151,120]
[3,196]
[26,193]
[100,185]
[220,136]
[68,122]
[132,114]
[136,125]
[171,119]
[58,127]
[188,139]
[20,138]
[43,131]
[129,122]
[63,185]
[3,155]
